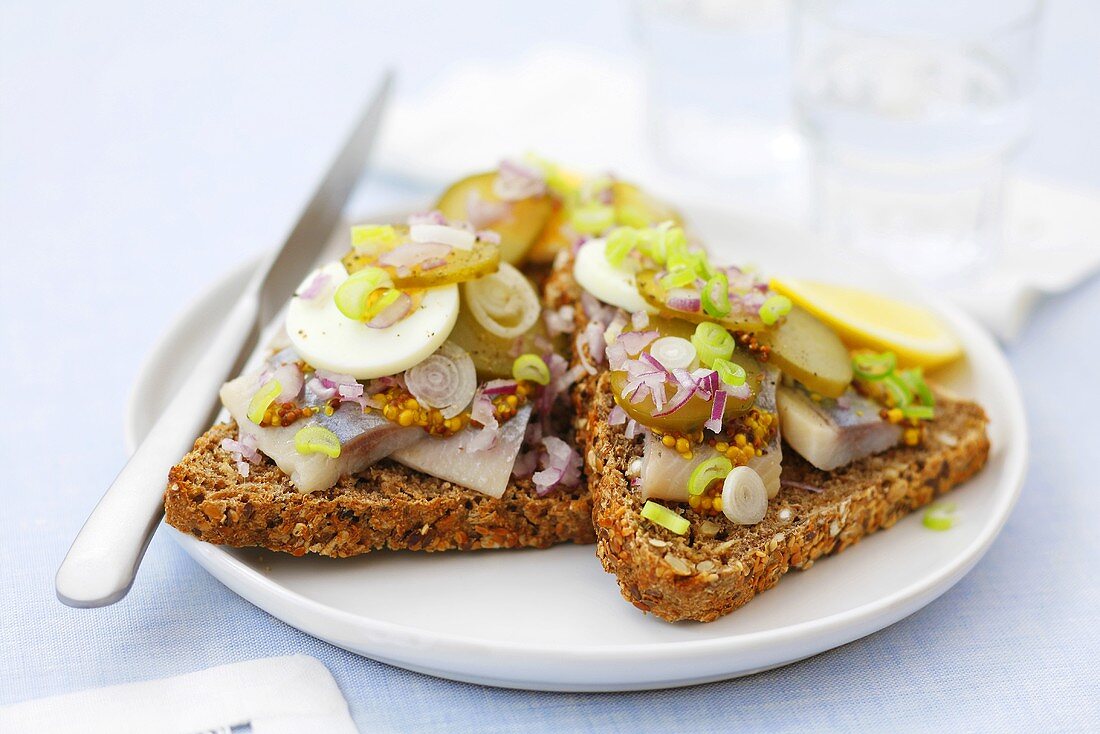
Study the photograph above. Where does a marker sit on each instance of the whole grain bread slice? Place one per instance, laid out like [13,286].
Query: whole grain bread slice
[718,566]
[386,506]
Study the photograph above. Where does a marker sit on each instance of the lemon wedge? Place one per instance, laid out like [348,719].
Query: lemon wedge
[865,319]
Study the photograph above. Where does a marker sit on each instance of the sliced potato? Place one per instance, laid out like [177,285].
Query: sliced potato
[493,355]
[809,351]
[635,208]
[518,230]
[656,295]
[553,238]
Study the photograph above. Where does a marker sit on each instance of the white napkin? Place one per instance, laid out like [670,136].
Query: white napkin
[283,695]
[588,109]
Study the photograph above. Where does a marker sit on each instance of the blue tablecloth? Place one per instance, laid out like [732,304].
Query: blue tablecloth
[145,150]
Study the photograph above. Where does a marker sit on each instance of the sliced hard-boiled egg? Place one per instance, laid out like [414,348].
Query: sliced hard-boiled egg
[614,285]
[328,339]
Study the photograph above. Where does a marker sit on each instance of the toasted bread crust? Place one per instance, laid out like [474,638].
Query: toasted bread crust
[385,506]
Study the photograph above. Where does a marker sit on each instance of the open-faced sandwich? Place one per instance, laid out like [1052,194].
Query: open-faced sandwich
[417,397]
[731,435]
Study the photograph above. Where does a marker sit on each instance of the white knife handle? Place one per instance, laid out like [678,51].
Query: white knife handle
[100,566]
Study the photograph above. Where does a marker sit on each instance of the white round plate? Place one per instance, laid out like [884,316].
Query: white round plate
[552,619]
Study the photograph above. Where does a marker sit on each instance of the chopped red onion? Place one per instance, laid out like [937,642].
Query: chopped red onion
[616,355]
[489,236]
[684,299]
[559,321]
[679,400]
[596,310]
[717,412]
[243,450]
[481,212]
[631,428]
[432,217]
[617,416]
[639,320]
[321,392]
[635,341]
[516,180]
[499,387]
[483,412]
[457,237]
[563,466]
[433,263]
[654,363]
[591,349]
[392,313]
[414,253]
[316,286]
[483,440]
[291,379]
[526,463]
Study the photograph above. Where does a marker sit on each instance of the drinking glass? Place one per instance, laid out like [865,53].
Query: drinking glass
[913,111]
[717,86]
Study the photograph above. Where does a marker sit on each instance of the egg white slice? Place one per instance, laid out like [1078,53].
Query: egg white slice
[328,339]
[606,282]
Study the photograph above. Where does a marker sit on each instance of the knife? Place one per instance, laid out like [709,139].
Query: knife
[100,566]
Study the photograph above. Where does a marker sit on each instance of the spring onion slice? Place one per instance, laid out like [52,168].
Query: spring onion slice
[378,305]
[716,296]
[940,516]
[652,242]
[871,366]
[712,341]
[373,239]
[353,295]
[593,218]
[678,277]
[666,518]
[620,242]
[729,372]
[914,380]
[317,440]
[532,368]
[673,352]
[263,399]
[919,412]
[708,472]
[898,392]
[774,308]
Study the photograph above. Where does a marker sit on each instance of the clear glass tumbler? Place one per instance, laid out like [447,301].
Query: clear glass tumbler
[718,79]
[913,111]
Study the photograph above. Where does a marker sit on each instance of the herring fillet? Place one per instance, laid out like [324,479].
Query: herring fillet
[365,438]
[488,471]
[830,436]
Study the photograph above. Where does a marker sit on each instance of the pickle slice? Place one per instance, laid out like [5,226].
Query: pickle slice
[459,266]
[809,351]
[518,229]
[696,411]
[655,295]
